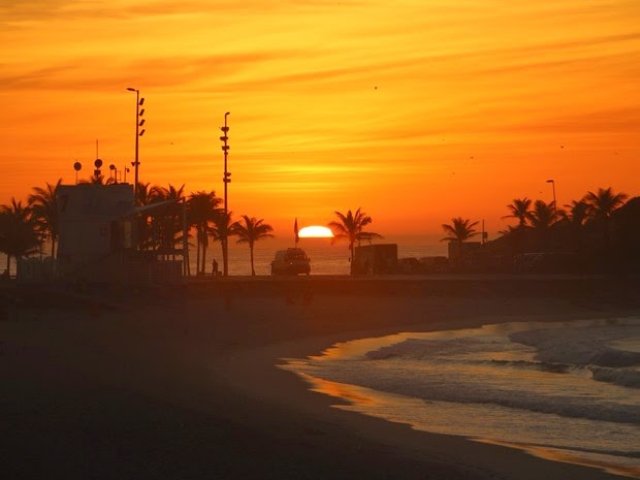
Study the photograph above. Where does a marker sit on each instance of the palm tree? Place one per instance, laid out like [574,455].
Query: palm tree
[576,215]
[18,236]
[143,193]
[459,230]
[578,212]
[520,209]
[167,221]
[350,227]
[44,209]
[253,230]
[202,209]
[543,215]
[221,230]
[602,204]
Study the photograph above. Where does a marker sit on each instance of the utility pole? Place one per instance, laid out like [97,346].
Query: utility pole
[139,122]
[226,180]
[553,185]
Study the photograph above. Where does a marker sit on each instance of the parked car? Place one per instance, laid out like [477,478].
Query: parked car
[291,261]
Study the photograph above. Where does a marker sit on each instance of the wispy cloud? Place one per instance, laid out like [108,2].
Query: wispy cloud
[88,73]
[28,9]
[617,121]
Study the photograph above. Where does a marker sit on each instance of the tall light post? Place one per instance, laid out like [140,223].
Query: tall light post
[139,133]
[226,180]
[553,185]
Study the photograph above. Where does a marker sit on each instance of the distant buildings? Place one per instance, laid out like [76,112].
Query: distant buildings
[375,259]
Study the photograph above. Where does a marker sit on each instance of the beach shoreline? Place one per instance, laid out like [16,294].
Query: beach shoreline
[186,384]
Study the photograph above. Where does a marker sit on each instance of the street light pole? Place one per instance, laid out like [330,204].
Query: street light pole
[226,180]
[553,186]
[139,133]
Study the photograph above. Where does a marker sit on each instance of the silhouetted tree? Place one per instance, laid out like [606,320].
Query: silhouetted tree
[520,209]
[602,204]
[543,215]
[44,211]
[575,216]
[18,237]
[460,230]
[167,220]
[143,193]
[221,230]
[251,231]
[350,227]
[202,210]
[577,212]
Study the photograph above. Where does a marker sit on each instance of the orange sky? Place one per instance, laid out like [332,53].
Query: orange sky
[415,110]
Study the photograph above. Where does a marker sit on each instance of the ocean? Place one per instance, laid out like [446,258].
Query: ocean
[566,391]
[327,258]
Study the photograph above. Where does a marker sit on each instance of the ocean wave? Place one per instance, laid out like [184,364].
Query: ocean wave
[581,346]
[569,385]
[610,357]
[448,385]
[561,369]
[549,367]
[424,349]
[623,377]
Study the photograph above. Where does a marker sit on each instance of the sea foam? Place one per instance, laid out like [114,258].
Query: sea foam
[569,385]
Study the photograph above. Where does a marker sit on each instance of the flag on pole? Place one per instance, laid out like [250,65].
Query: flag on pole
[295,231]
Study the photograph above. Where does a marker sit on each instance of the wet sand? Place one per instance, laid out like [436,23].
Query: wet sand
[182,382]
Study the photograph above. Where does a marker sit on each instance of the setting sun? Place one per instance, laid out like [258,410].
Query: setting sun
[315,231]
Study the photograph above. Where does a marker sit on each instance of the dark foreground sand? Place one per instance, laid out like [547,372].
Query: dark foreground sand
[181,383]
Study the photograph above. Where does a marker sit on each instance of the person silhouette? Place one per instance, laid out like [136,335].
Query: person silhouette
[214,268]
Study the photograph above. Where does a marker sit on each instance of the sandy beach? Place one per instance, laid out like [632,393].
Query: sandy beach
[183,382]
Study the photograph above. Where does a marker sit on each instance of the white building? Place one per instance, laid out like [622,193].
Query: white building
[95,226]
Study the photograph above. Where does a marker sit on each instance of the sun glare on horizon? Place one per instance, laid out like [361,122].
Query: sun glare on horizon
[315,231]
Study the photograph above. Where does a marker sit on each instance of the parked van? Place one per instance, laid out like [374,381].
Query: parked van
[291,261]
